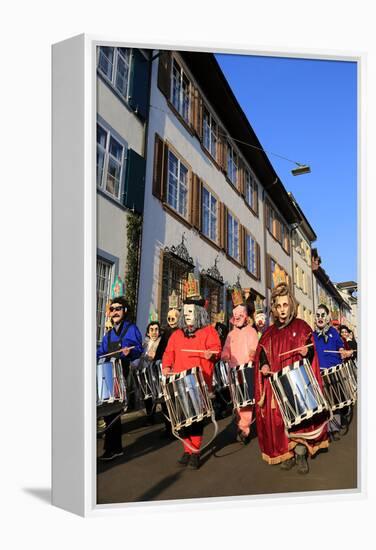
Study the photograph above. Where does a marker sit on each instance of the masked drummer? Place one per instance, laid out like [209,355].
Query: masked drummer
[195,333]
[330,352]
[285,334]
[240,347]
[150,345]
[124,338]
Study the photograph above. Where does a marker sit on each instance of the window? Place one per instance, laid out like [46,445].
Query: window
[251,254]
[285,239]
[180,91]
[177,185]
[111,155]
[232,237]
[210,134]
[104,281]
[213,293]
[209,215]
[232,165]
[251,191]
[114,63]
[174,273]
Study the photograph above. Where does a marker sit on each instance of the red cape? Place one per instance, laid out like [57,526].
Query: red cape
[274,443]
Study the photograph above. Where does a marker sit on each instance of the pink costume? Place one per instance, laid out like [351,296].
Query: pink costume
[240,348]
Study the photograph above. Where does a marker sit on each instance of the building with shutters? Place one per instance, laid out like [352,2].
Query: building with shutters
[214,205]
[302,238]
[122,112]
[348,290]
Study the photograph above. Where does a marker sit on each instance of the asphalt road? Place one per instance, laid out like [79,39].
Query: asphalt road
[148,470]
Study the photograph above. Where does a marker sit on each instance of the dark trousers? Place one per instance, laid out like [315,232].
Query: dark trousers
[112,440]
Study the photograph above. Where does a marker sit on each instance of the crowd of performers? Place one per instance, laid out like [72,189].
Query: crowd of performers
[190,340]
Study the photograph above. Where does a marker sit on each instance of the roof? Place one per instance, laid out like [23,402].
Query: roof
[324,279]
[209,76]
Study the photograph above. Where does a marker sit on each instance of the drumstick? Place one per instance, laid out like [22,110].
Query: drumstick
[114,352]
[331,351]
[202,350]
[296,349]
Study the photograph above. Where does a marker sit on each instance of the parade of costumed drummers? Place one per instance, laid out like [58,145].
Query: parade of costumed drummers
[197,334]
[287,340]
[240,348]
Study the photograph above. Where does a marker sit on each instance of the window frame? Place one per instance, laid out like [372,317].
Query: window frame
[111,134]
[180,106]
[231,154]
[181,162]
[249,235]
[100,327]
[229,252]
[212,120]
[212,195]
[251,185]
[114,73]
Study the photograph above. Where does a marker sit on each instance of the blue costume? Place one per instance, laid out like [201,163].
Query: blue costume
[328,340]
[128,336]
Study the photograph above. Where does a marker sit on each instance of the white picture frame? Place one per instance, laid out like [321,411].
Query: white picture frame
[74,282]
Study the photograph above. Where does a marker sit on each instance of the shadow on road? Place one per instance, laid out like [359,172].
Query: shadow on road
[159,487]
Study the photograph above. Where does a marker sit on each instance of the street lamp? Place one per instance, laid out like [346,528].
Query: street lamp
[302,169]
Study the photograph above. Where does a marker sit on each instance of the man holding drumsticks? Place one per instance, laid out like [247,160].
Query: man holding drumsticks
[288,340]
[195,344]
[125,339]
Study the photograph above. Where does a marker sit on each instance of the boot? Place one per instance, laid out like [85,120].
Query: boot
[302,463]
[288,464]
[194,462]
[184,459]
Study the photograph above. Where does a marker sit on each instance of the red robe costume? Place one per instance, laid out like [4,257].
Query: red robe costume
[275,445]
[205,338]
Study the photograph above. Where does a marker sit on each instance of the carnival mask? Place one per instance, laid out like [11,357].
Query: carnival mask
[239,316]
[322,318]
[189,314]
[153,332]
[260,320]
[173,318]
[282,307]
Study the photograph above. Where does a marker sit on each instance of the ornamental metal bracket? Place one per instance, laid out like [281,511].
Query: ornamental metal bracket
[180,251]
[213,272]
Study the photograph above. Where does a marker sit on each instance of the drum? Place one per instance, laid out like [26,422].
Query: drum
[220,376]
[297,393]
[242,385]
[352,369]
[186,398]
[338,387]
[149,380]
[111,388]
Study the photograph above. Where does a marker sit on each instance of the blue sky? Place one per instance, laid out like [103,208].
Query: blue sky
[306,110]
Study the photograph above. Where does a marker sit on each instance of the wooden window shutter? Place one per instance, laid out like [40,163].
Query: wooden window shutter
[258,261]
[196,202]
[242,254]
[222,146]
[223,226]
[268,272]
[241,176]
[255,196]
[159,171]
[197,112]
[164,73]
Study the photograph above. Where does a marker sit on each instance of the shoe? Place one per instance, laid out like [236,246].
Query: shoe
[184,459]
[194,461]
[334,436]
[344,429]
[101,424]
[245,439]
[288,464]
[302,464]
[110,455]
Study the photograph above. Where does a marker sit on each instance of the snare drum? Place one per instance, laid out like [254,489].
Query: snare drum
[186,398]
[149,380]
[352,369]
[337,386]
[297,393]
[111,388]
[242,385]
[220,376]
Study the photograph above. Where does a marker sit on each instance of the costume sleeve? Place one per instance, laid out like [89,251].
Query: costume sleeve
[133,338]
[168,358]
[263,358]
[103,346]
[226,352]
